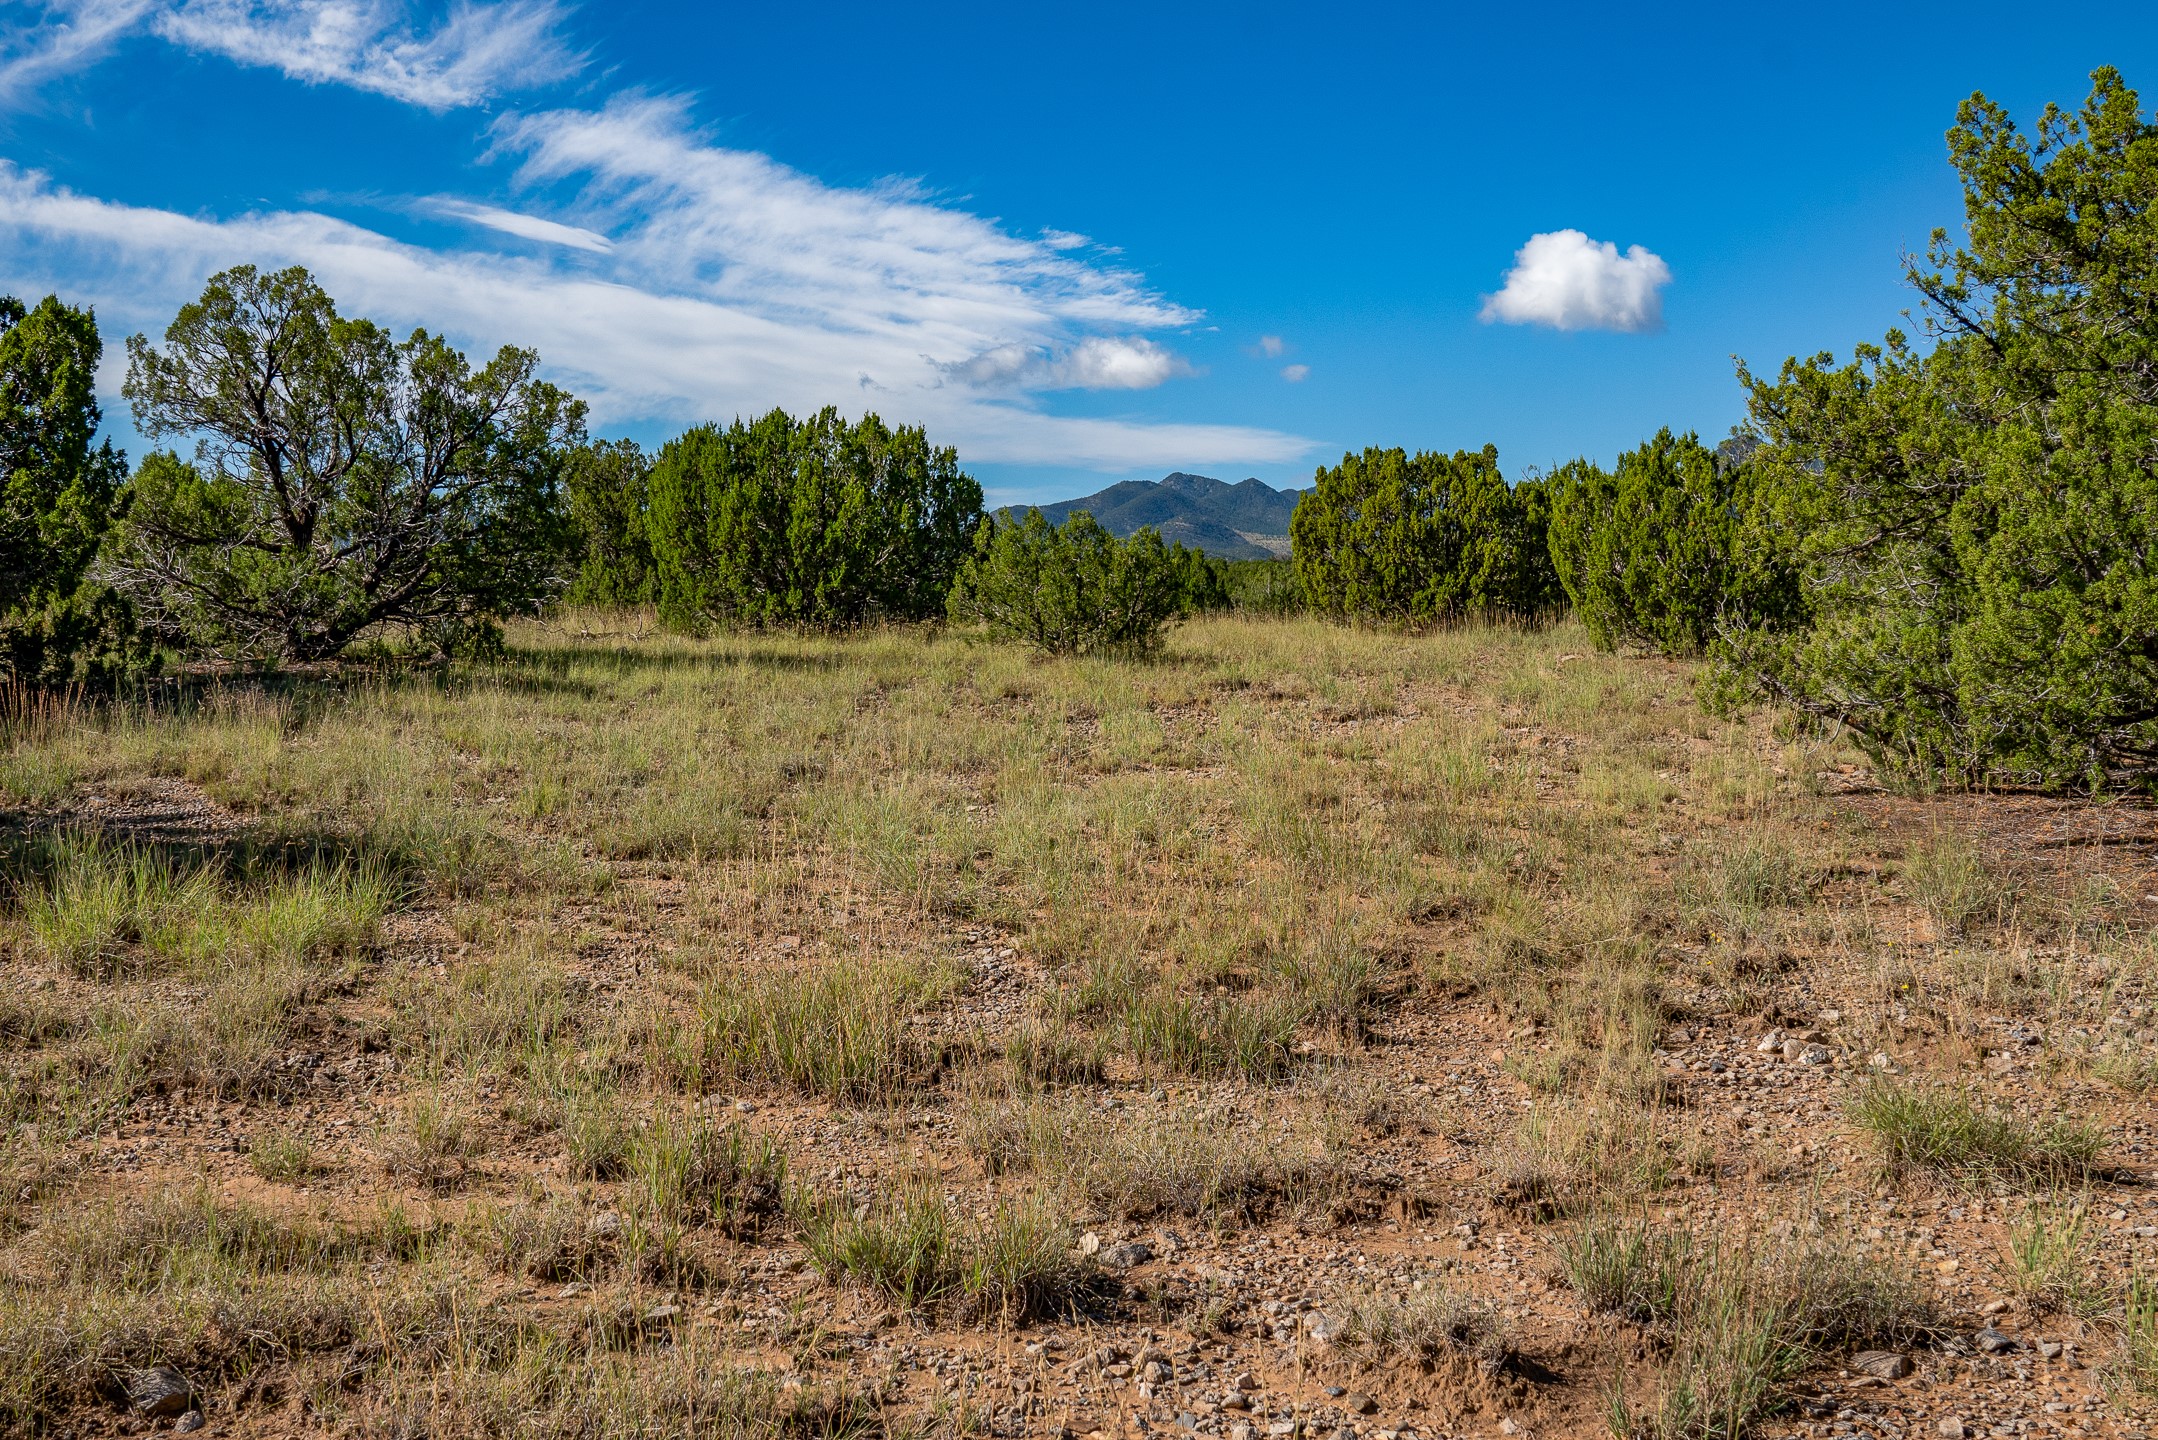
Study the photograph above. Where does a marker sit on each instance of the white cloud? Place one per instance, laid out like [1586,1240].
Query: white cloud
[525,227]
[69,36]
[1271,346]
[1098,362]
[1295,374]
[734,285]
[1569,282]
[480,50]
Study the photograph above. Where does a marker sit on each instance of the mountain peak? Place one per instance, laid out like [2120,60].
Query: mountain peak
[1245,521]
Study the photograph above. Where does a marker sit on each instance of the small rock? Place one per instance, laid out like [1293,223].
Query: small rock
[1359,1404]
[1770,1043]
[1186,1419]
[160,1391]
[1508,1427]
[1239,1432]
[1335,1392]
[2051,1349]
[1994,1307]
[1324,1329]
[1993,1342]
[1236,1400]
[743,1107]
[1882,1363]
[1130,1253]
[1792,1049]
[1950,1429]
[1246,1381]
[1090,1244]
[1814,1055]
[1155,1373]
[662,1314]
[188,1423]
[603,1224]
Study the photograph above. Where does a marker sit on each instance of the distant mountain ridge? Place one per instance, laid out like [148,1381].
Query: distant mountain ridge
[1245,521]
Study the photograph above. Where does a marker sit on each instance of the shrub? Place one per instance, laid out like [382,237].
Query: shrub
[1651,556]
[1974,521]
[301,525]
[1420,539]
[1070,589]
[807,522]
[57,492]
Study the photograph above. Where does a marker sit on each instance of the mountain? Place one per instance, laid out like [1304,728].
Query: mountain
[1245,521]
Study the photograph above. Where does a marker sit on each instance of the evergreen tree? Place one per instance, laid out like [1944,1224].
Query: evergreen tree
[608,484]
[1071,589]
[58,487]
[1975,523]
[1420,539]
[808,522]
[1650,555]
[342,480]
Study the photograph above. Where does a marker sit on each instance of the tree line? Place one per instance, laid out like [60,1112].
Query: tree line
[1943,544]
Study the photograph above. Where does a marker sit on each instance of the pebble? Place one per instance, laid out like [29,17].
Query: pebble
[1881,1363]
[1359,1404]
[1950,1429]
[1125,1256]
[2051,1349]
[188,1423]
[1993,1342]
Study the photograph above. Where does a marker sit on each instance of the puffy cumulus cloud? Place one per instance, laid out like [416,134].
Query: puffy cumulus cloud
[1569,282]
[1295,374]
[1271,346]
[1096,363]
[480,50]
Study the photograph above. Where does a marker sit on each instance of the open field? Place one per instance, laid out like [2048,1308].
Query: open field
[1458,1034]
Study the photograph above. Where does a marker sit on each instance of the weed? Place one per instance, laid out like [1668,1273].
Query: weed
[1420,1325]
[1948,879]
[287,1158]
[2048,1256]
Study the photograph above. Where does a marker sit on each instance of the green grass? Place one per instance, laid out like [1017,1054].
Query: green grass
[1015,1264]
[1919,1128]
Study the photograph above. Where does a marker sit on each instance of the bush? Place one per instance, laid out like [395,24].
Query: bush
[1072,589]
[343,481]
[57,492]
[807,522]
[608,483]
[1974,521]
[1651,555]
[1420,539]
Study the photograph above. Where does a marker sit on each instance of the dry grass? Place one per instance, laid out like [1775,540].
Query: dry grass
[591,1022]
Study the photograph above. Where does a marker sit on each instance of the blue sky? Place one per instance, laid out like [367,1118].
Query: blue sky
[1079,245]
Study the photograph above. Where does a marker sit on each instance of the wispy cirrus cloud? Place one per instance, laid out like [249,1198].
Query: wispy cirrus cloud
[478,50]
[864,299]
[665,277]
[1567,281]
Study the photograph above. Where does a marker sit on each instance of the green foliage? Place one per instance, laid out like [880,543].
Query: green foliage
[342,480]
[1263,587]
[608,485]
[57,493]
[1202,582]
[1651,555]
[1975,524]
[807,522]
[1420,539]
[1074,588]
